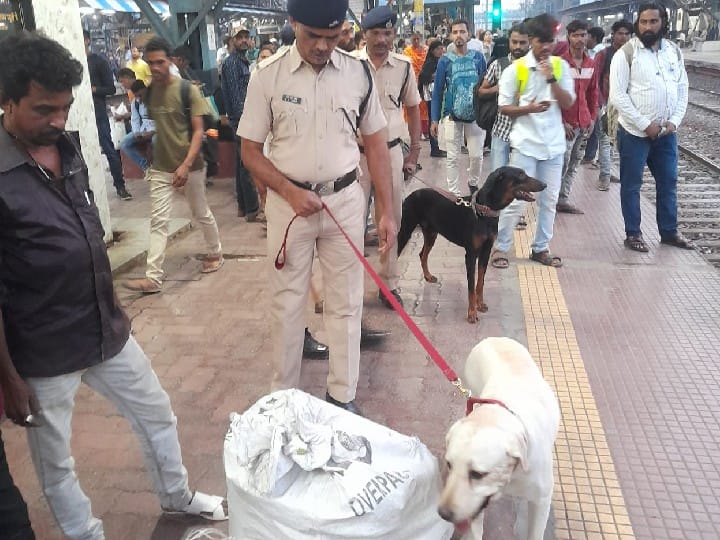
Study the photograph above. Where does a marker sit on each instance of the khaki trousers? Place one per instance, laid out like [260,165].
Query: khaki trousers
[161,198]
[389,270]
[342,287]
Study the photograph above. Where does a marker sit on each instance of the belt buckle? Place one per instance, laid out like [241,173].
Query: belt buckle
[323,189]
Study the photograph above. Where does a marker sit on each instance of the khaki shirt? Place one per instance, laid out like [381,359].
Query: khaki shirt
[312,140]
[389,78]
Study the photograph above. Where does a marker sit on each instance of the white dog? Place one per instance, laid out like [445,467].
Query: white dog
[504,448]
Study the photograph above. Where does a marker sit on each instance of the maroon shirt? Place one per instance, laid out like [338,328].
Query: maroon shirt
[584,111]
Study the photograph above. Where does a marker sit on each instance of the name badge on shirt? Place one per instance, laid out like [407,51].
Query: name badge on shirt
[292,99]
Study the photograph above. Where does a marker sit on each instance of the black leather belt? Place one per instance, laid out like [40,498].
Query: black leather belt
[391,144]
[328,188]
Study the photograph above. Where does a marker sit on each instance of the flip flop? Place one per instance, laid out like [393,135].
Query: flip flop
[210,507]
[544,257]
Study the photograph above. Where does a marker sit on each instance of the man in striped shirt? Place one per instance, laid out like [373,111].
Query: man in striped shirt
[651,96]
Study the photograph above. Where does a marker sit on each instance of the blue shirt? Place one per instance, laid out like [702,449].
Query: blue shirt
[442,74]
[234,81]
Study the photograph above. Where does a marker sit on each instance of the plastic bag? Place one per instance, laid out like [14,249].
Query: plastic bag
[287,478]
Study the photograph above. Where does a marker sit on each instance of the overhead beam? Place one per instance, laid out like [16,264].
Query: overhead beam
[207,8]
[156,21]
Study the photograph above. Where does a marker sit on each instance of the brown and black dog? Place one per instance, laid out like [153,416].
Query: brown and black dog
[465,225]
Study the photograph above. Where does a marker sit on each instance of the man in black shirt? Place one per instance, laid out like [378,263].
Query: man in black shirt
[60,321]
[101,81]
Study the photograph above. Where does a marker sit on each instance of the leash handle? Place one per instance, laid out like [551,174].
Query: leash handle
[432,351]
[282,252]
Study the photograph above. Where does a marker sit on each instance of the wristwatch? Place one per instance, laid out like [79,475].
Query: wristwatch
[551,80]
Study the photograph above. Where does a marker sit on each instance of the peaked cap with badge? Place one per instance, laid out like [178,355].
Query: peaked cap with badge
[327,14]
[379,17]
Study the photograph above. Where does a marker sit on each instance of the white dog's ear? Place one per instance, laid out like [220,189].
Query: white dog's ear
[518,448]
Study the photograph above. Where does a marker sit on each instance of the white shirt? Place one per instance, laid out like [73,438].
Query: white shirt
[538,135]
[654,89]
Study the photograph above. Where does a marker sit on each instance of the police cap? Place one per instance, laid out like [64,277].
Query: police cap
[318,13]
[379,17]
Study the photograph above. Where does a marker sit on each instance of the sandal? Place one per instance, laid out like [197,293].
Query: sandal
[499,260]
[544,257]
[521,224]
[213,264]
[210,507]
[636,243]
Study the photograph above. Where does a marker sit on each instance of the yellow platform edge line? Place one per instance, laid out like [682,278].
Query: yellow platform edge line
[587,502]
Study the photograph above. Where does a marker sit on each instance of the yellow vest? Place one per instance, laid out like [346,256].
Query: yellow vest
[523,71]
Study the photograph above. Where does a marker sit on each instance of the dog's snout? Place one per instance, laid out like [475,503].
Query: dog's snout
[446,513]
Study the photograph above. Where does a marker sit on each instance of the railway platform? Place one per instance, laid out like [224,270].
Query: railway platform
[630,342]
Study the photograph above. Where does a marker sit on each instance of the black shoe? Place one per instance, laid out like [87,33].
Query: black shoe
[678,240]
[313,349]
[371,337]
[350,406]
[124,194]
[386,302]
[439,153]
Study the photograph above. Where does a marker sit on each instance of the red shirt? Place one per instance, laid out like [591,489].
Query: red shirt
[584,111]
[604,78]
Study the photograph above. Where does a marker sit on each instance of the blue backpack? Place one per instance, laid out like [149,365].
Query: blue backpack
[461,80]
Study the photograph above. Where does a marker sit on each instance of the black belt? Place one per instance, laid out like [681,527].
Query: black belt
[391,144]
[328,188]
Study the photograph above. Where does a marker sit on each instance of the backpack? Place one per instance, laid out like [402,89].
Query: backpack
[209,148]
[609,121]
[461,81]
[485,106]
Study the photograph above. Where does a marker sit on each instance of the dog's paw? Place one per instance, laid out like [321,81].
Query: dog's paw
[472,317]
[482,308]
[430,278]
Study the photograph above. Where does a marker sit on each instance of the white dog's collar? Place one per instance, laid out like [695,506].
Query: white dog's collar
[471,402]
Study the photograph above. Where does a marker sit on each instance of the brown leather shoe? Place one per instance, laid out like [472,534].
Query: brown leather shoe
[144,286]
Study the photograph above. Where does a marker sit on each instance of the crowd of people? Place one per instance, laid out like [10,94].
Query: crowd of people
[321,124]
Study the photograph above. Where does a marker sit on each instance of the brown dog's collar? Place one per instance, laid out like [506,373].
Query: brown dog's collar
[471,402]
[486,211]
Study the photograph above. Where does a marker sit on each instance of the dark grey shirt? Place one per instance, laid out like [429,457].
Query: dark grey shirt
[56,292]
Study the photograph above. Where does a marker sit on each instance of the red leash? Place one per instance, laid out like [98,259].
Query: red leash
[432,351]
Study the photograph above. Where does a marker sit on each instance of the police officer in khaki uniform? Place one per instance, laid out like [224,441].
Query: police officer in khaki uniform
[397,87]
[309,98]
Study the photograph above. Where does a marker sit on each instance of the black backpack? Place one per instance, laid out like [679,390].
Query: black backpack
[485,106]
[209,148]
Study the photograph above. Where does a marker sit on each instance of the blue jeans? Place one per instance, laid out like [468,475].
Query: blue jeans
[247,196]
[108,148]
[499,153]
[592,142]
[548,171]
[127,145]
[661,156]
[128,381]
